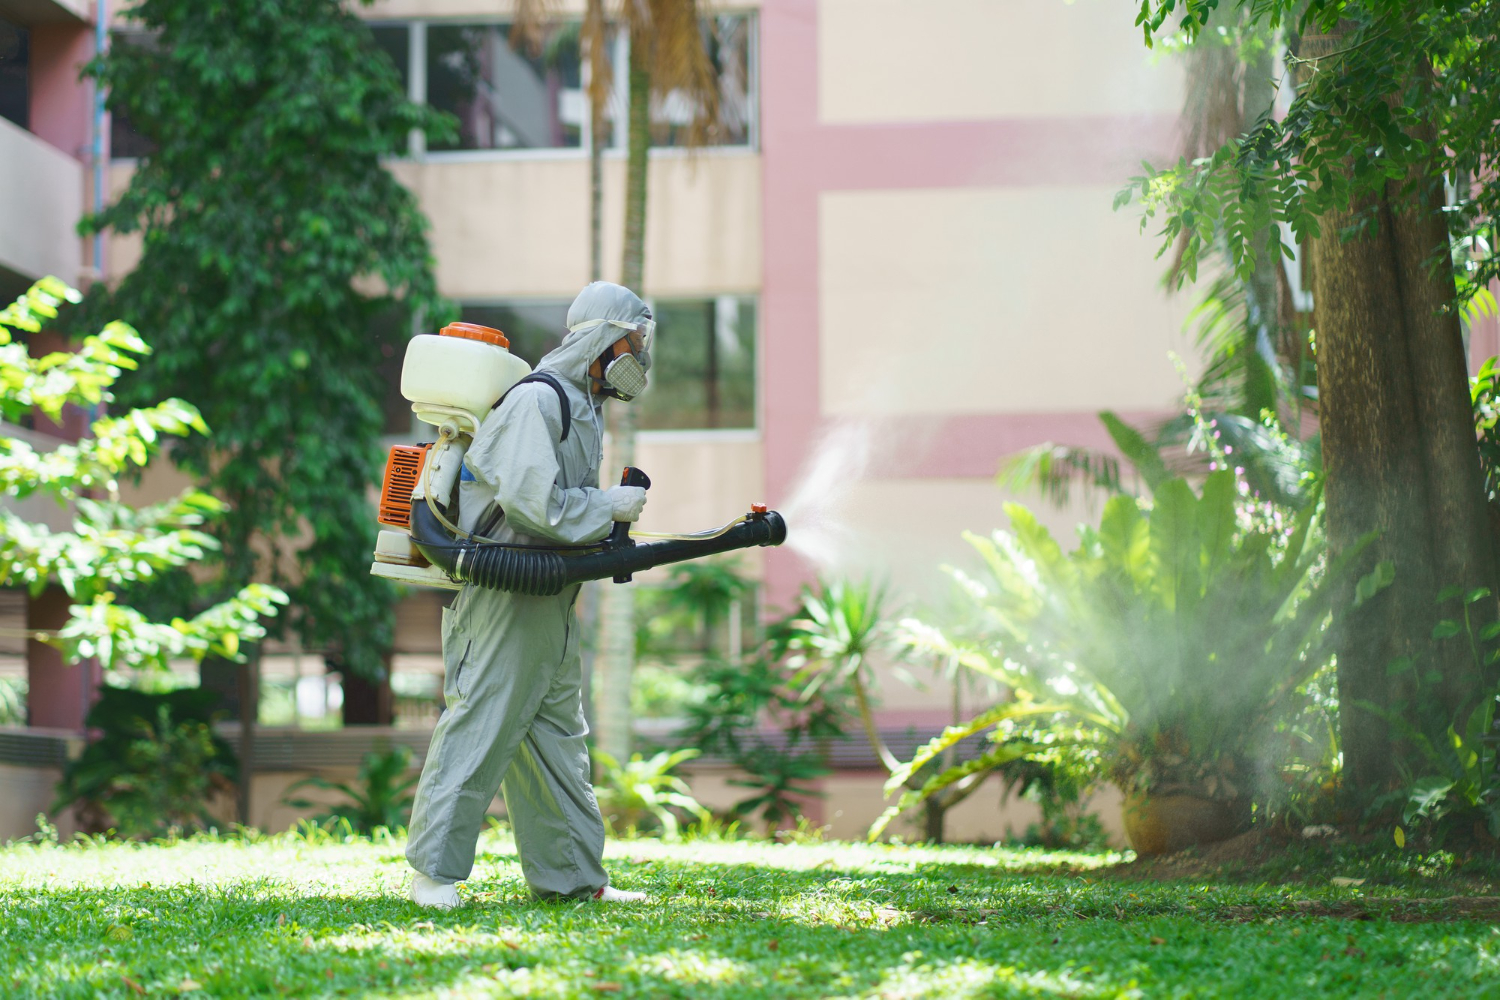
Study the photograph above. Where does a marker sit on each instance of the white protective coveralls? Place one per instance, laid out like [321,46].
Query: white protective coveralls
[513,674]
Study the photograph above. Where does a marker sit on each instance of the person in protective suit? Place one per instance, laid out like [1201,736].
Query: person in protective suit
[513,675]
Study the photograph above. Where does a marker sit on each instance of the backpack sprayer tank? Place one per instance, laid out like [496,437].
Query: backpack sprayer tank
[452,380]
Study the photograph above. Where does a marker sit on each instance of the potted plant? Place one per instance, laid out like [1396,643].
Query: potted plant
[1167,642]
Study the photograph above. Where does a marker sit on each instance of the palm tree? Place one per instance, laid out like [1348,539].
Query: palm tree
[667,57]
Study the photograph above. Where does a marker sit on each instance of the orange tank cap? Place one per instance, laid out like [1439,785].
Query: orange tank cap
[758,508]
[473,331]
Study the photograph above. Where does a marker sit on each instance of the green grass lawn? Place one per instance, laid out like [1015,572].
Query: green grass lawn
[286,917]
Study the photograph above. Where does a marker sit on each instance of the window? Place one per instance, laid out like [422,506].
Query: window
[727,38]
[15,73]
[509,94]
[533,328]
[395,41]
[504,95]
[702,367]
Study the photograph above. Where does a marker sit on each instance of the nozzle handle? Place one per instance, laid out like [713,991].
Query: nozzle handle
[620,534]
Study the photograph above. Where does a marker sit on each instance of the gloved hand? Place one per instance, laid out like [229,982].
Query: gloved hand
[627,502]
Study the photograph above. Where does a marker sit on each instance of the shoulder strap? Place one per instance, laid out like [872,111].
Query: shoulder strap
[562,399]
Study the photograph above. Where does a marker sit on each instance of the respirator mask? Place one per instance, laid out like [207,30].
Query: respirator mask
[622,367]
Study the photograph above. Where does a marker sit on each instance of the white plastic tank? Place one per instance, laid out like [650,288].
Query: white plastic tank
[466,366]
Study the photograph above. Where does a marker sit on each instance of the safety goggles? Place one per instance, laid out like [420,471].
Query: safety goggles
[641,332]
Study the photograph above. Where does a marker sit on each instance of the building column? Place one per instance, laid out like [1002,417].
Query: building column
[58,695]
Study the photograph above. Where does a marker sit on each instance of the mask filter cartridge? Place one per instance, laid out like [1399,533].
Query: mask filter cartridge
[626,377]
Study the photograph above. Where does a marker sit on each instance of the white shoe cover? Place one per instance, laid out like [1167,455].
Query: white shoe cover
[432,893]
[609,894]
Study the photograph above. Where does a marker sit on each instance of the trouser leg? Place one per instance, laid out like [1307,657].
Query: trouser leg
[496,678]
[549,796]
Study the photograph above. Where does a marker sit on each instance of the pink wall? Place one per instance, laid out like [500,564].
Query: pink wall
[803,158]
[60,112]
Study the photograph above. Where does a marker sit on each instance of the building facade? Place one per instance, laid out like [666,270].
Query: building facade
[896,263]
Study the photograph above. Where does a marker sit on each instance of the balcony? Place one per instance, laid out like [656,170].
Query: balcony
[46,11]
[41,199]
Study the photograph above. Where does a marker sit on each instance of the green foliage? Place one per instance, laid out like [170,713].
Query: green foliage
[644,794]
[1484,397]
[698,598]
[1459,785]
[741,703]
[778,779]
[273,239]
[1168,642]
[12,701]
[155,767]
[1409,92]
[380,799]
[837,628]
[110,546]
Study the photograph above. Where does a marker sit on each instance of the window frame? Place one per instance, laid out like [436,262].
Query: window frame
[416,55]
[678,435]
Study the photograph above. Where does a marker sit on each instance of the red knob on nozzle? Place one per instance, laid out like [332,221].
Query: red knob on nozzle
[758,508]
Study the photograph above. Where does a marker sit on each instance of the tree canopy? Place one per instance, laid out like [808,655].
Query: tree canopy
[1385,90]
[273,240]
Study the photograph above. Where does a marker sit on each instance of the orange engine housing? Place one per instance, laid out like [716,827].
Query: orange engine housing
[402,470]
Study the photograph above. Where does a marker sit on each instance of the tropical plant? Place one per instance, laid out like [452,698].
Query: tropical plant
[644,794]
[1166,643]
[779,778]
[380,797]
[156,766]
[1457,782]
[840,629]
[751,715]
[699,595]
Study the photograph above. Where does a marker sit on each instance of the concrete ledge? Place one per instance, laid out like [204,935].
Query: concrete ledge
[41,199]
[29,12]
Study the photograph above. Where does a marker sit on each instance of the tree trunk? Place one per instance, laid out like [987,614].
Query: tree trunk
[867,719]
[594,17]
[366,702]
[1400,461]
[249,699]
[617,603]
[1372,458]
[934,813]
[636,167]
[1457,521]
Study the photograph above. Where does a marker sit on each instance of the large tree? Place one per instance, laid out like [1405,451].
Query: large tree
[273,241]
[1391,99]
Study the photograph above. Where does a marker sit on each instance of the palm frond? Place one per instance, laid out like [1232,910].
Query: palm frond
[1056,470]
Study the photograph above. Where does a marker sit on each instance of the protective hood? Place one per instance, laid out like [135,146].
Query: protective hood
[587,339]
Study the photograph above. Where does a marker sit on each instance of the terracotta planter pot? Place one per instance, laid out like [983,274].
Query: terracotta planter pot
[1165,824]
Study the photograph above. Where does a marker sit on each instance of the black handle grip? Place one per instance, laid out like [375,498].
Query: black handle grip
[620,535]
